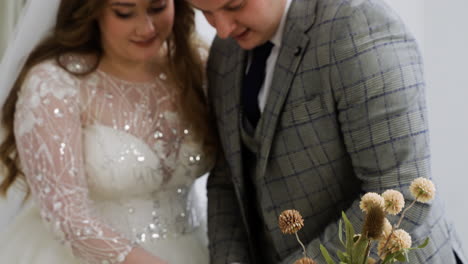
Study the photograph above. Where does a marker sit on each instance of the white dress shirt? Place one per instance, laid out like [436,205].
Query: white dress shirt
[271,61]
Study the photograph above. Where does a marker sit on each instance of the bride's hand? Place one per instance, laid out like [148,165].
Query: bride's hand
[141,256]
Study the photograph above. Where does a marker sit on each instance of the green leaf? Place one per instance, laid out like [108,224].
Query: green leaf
[356,238]
[389,258]
[406,255]
[326,255]
[401,257]
[360,250]
[340,233]
[342,256]
[424,244]
[349,236]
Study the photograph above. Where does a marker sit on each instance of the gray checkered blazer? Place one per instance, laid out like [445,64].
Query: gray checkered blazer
[346,115]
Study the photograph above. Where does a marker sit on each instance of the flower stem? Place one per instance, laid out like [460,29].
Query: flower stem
[303,247]
[397,226]
[404,211]
[367,252]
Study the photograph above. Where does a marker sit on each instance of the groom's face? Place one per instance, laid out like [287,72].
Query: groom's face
[250,22]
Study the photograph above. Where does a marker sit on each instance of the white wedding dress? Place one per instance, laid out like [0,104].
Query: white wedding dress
[109,165]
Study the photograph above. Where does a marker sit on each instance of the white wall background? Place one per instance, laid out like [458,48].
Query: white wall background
[441,29]
[446,55]
[205,30]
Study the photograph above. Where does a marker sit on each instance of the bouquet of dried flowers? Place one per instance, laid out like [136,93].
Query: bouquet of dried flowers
[393,243]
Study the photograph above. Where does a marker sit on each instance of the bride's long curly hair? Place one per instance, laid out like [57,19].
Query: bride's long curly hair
[77,31]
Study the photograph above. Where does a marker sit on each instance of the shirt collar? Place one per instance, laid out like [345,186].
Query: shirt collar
[276,39]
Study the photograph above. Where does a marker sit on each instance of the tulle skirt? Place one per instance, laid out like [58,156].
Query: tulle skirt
[27,241]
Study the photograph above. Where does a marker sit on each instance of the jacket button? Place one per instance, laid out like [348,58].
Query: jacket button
[297,52]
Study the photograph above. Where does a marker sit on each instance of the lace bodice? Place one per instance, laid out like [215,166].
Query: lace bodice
[108,161]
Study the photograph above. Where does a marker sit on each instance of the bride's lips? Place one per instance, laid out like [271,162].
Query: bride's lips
[145,43]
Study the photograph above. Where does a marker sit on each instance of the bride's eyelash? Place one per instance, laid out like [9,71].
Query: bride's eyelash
[123,15]
[152,10]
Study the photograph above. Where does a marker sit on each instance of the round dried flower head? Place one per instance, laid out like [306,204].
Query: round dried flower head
[305,260]
[374,223]
[398,240]
[369,200]
[290,221]
[394,201]
[387,229]
[422,189]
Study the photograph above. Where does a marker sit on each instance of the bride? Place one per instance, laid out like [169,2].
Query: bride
[106,122]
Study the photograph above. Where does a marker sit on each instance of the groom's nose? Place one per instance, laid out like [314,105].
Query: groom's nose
[224,24]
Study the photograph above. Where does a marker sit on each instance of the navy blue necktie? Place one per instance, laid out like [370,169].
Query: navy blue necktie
[253,82]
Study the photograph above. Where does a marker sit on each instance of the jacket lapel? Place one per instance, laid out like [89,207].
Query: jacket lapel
[301,17]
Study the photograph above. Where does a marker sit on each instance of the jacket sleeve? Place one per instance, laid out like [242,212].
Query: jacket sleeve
[227,235]
[377,82]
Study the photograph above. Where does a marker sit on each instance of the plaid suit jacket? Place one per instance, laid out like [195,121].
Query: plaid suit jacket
[346,115]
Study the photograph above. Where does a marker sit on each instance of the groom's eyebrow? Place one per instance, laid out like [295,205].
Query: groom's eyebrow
[127,4]
[208,11]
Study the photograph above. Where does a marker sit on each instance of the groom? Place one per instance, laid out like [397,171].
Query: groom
[317,102]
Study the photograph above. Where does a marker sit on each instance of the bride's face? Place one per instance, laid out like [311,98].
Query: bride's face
[135,29]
